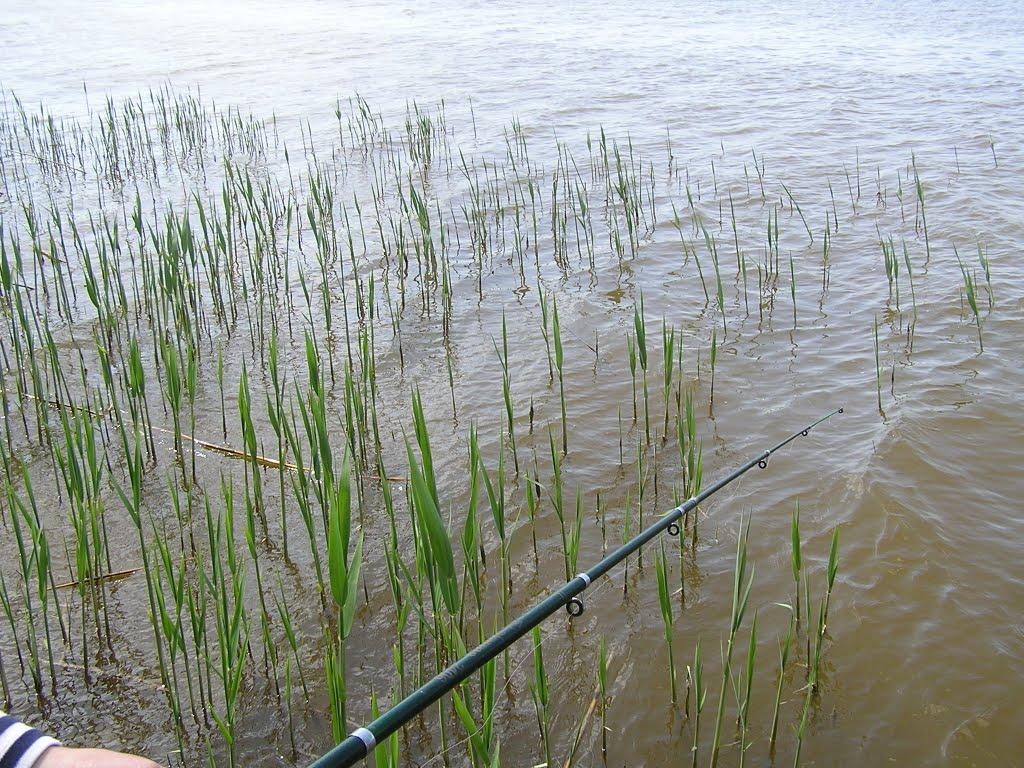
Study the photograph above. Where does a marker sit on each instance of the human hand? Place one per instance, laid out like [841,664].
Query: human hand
[67,757]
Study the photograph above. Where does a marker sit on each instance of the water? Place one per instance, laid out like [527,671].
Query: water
[925,638]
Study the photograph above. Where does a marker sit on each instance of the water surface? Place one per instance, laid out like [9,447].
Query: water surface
[833,101]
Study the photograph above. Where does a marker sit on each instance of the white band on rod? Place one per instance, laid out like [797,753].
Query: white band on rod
[366,737]
[586,579]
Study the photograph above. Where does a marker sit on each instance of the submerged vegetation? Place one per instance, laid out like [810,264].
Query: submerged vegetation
[228,361]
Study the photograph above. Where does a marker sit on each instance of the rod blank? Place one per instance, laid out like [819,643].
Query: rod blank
[355,747]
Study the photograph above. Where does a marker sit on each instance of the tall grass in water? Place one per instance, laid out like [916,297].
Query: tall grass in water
[506,390]
[540,695]
[892,268]
[743,689]
[910,277]
[556,331]
[970,290]
[668,348]
[434,556]
[714,360]
[484,746]
[665,601]
[986,270]
[817,642]
[558,500]
[640,331]
[631,351]
[784,648]
[699,698]
[796,559]
[496,499]
[919,188]
[743,580]
[796,205]
[602,687]
[344,564]
[198,302]
[34,561]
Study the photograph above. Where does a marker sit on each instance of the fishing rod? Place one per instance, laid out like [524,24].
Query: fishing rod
[361,741]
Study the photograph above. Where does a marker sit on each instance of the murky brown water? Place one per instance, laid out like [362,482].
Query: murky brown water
[923,661]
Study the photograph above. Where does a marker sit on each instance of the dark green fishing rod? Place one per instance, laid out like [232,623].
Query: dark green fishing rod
[362,740]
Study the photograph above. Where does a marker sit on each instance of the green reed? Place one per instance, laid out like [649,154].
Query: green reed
[345,254]
[668,347]
[784,648]
[344,562]
[796,205]
[830,574]
[970,290]
[556,331]
[743,579]
[472,546]
[919,188]
[742,691]
[700,693]
[34,561]
[910,277]
[496,498]
[986,270]
[792,287]
[506,390]
[541,696]
[712,247]
[558,501]
[796,559]
[602,687]
[665,601]
[484,747]
[714,360]
[631,351]
[640,331]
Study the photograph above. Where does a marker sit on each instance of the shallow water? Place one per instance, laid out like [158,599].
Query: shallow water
[925,646]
